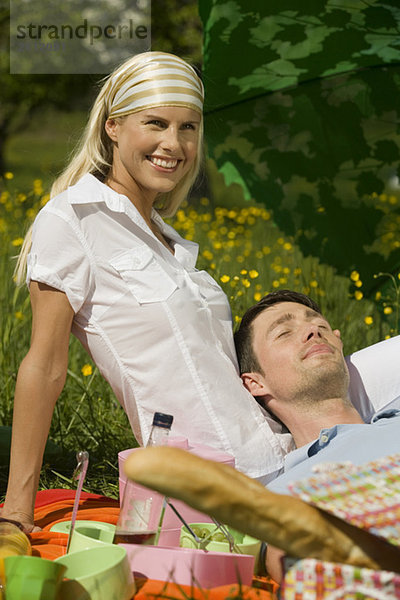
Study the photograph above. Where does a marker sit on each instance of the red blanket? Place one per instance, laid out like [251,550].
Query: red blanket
[53,506]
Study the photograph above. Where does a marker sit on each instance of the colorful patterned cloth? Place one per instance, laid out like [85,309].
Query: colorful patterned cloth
[366,496]
[311,579]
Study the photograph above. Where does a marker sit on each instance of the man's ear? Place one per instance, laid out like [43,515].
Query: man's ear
[254,382]
[337,332]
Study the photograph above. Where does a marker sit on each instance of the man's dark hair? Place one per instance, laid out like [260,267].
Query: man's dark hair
[248,362]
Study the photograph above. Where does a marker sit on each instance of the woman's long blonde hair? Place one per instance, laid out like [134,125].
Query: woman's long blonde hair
[94,154]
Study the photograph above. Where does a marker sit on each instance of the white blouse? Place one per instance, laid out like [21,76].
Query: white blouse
[158,329]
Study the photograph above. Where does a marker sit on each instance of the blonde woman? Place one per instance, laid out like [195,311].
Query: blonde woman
[102,264]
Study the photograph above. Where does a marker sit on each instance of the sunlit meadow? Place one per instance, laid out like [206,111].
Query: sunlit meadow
[242,249]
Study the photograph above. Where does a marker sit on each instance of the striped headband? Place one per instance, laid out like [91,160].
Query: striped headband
[154,79]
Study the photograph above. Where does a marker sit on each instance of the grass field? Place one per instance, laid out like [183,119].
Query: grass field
[239,245]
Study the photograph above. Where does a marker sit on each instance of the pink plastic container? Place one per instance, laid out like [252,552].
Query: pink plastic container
[171,524]
[187,566]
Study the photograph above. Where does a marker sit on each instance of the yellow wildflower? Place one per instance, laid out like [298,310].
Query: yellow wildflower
[8,175]
[275,283]
[237,319]
[19,315]
[208,255]
[17,242]
[204,201]
[246,283]
[253,274]
[243,272]
[358,283]
[313,283]
[224,278]
[388,310]
[267,250]
[358,295]
[354,276]
[378,296]
[257,296]
[287,246]
[87,370]
[38,186]
[368,320]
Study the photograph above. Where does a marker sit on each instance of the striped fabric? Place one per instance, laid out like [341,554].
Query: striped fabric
[154,79]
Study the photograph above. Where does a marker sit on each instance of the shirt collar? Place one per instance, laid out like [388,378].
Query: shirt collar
[385,413]
[325,436]
[90,190]
[295,457]
[185,251]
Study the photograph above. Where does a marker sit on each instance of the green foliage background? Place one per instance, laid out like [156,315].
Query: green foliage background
[302,111]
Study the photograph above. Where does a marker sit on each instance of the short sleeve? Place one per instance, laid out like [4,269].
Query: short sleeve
[58,257]
[375,377]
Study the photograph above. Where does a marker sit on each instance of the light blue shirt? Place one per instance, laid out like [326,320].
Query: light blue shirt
[357,443]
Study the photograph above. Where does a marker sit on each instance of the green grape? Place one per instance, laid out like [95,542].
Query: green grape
[204,532]
[218,537]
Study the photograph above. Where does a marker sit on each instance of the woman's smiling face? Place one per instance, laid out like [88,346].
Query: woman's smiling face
[154,148]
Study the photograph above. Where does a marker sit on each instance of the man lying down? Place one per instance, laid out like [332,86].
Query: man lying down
[292,362]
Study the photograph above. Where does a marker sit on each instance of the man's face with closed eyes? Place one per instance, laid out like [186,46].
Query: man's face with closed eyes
[299,354]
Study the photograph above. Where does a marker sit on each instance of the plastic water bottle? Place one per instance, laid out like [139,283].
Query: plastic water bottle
[160,429]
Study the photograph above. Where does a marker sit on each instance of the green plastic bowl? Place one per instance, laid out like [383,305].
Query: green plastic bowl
[244,544]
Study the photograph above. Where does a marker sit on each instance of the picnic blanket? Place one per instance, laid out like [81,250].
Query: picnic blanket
[53,506]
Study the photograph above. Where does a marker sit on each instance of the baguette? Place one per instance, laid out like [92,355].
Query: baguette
[300,530]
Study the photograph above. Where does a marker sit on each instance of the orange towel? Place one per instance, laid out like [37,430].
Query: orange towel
[151,590]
